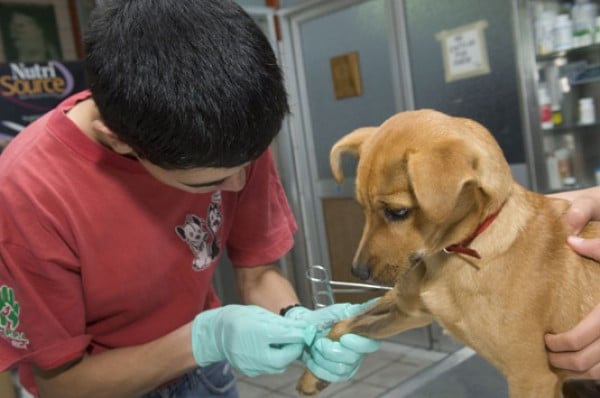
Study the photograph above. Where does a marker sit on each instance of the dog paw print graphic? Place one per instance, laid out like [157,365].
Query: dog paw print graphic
[9,318]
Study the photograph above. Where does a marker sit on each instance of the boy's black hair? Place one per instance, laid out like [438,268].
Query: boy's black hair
[185,83]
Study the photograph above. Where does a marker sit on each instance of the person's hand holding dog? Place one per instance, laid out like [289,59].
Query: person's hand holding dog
[333,360]
[578,350]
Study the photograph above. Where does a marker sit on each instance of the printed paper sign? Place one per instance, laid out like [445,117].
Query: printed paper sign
[464,51]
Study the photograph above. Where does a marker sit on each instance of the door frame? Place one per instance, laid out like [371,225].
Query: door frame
[310,190]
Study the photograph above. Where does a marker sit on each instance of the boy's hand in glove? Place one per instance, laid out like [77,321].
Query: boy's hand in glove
[253,340]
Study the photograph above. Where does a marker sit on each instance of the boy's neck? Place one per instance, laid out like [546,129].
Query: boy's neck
[83,114]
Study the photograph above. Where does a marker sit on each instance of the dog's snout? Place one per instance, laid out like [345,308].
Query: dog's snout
[361,271]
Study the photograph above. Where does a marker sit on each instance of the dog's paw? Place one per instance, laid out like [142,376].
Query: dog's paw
[309,385]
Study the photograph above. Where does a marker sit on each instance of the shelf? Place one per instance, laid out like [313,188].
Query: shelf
[570,53]
[571,128]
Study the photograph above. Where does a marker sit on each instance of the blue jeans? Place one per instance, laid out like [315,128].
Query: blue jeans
[213,381]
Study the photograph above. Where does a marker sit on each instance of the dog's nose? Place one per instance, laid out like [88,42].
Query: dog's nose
[361,271]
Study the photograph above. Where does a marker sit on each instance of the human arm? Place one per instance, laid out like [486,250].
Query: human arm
[251,338]
[578,350]
[121,372]
[264,286]
[133,371]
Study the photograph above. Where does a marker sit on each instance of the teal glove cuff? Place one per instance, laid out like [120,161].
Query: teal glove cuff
[204,345]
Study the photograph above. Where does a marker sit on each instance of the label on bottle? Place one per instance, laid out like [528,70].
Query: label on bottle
[546,116]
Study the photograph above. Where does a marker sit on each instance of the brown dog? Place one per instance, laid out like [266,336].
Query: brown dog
[464,245]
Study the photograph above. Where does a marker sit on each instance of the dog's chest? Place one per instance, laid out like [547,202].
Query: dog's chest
[458,298]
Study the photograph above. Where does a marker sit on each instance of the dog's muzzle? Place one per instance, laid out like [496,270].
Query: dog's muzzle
[362,272]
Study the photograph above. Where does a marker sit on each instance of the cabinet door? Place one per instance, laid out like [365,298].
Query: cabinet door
[565,60]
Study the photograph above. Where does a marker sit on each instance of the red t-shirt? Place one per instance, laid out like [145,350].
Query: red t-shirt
[96,254]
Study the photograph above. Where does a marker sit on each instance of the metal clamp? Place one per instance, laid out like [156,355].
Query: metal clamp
[322,291]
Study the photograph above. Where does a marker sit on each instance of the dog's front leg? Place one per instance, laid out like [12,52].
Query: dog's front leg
[389,316]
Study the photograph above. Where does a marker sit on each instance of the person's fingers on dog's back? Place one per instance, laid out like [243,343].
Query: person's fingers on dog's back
[578,350]
[582,335]
[586,247]
[582,210]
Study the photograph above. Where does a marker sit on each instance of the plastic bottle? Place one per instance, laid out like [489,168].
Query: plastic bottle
[545,108]
[544,32]
[554,180]
[563,33]
[583,15]
[564,163]
[587,111]
[597,35]
[557,116]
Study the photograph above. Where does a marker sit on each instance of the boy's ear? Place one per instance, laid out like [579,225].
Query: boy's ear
[107,137]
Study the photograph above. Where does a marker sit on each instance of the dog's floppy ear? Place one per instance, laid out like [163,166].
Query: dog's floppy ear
[438,176]
[351,144]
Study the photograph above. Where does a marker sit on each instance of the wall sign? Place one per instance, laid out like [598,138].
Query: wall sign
[28,90]
[464,51]
[345,72]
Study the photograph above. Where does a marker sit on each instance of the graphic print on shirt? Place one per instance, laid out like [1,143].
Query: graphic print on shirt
[9,319]
[201,235]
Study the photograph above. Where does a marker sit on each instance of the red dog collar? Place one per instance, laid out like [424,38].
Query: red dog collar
[462,246]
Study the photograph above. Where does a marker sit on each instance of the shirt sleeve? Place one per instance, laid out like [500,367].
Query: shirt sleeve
[264,225]
[42,314]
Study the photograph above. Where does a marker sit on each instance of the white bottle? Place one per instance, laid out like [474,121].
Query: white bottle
[563,33]
[545,108]
[554,180]
[583,15]
[544,32]
[587,111]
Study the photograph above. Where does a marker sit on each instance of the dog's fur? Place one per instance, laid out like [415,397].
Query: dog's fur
[426,182]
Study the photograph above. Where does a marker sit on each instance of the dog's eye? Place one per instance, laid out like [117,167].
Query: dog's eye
[396,214]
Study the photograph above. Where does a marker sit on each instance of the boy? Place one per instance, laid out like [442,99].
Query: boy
[118,204]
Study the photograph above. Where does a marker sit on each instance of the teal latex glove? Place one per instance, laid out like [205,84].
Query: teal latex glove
[338,360]
[333,360]
[325,317]
[252,339]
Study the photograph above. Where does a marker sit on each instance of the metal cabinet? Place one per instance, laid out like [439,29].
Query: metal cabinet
[561,92]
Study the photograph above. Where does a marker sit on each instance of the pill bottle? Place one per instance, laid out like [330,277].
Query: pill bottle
[587,112]
[545,108]
[563,32]
[544,32]
[583,16]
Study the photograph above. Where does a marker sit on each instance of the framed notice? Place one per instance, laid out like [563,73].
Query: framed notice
[345,72]
[464,51]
